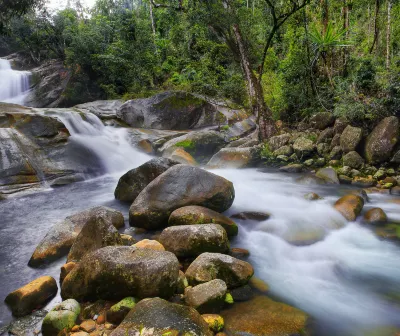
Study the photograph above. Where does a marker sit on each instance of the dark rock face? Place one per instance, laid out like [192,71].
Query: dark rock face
[194,214]
[162,318]
[322,120]
[170,110]
[382,140]
[193,240]
[353,160]
[210,266]
[61,236]
[179,186]
[115,272]
[134,181]
[35,294]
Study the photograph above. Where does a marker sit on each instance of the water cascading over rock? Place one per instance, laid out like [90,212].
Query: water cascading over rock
[14,85]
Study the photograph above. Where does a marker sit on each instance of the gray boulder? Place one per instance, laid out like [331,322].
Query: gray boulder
[328,175]
[208,297]
[322,120]
[303,147]
[240,157]
[353,160]
[104,109]
[179,186]
[350,138]
[278,141]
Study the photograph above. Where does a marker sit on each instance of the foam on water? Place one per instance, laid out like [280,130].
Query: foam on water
[14,85]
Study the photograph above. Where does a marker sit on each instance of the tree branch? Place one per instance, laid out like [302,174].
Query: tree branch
[160,5]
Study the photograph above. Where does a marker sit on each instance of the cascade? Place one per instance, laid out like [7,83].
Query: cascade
[14,85]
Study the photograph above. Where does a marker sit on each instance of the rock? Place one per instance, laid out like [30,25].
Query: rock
[181,156]
[345,170]
[182,283]
[65,180]
[150,244]
[207,297]
[380,174]
[88,326]
[241,128]
[193,240]
[328,175]
[127,240]
[83,333]
[210,266]
[355,173]
[375,216]
[119,311]
[215,322]
[284,150]
[382,140]
[325,135]
[96,233]
[25,326]
[94,309]
[303,147]
[237,143]
[363,182]
[171,111]
[343,179]
[335,140]
[339,126]
[199,215]
[65,269]
[252,215]
[350,138]
[61,236]
[134,181]
[349,206]
[33,295]
[201,145]
[239,253]
[336,153]
[179,186]
[103,109]
[250,143]
[278,141]
[322,149]
[234,158]
[322,120]
[396,157]
[145,146]
[176,320]
[292,168]
[283,158]
[362,193]
[353,160]
[115,272]
[263,316]
[395,191]
[312,196]
[61,317]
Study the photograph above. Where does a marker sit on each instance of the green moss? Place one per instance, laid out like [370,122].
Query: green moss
[229,298]
[128,302]
[225,127]
[188,144]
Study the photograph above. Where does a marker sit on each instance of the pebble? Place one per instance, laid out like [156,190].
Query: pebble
[88,326]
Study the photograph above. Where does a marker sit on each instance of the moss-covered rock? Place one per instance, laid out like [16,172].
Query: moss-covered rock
[353,160]
[350,206]
[118,311]
[61,318]
[350,138]
[215,322]
[304,147]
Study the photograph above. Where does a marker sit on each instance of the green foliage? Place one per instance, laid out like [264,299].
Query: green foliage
[187,144]
[366,76]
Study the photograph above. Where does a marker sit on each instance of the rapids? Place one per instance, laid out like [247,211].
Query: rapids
[14,85]
[343,276]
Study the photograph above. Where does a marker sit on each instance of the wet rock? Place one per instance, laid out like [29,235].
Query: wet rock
[179,186]
[33,295]
[181,156]
[88,326]
[353,160]
[176,320]
[193,240]
[322,149]
[362,193]
[145,146]
[150,244]
[208,297]
[65,180]
[363,182]
[284,150]
[25,326]
[119,311]
[237,143]
[103,109]
[303,147]
[171,111]
[350,138]
[312,196]
[382,140]
[375,216]
[355,173]
[115,272]
[252,215]
[263,316]
[200,215]
[61,236]
[244,293]
[182,283]
[343,179]
[65,269]
[350,206]
[345,170]
[94,309]
[201,145]
[234,158]
[215,322]
[395,191]
[61,317]
[292,168]
[239,253]
[134,181]
[328,175]
[322,120]
[210,266]
[396,157]
[241,128]
[278,141]
[325,135]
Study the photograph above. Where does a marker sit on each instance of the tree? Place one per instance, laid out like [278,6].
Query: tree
[12,8]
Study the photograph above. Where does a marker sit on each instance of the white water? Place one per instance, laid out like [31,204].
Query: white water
[14,85]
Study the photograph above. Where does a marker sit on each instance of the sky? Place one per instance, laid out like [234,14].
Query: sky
[59,4]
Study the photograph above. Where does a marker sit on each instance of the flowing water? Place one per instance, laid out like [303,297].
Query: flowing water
[14,85]
[344,277]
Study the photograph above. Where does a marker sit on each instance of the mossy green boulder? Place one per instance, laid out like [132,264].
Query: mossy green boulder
[118,311]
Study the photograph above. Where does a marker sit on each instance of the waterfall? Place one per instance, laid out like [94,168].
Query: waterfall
[14,85]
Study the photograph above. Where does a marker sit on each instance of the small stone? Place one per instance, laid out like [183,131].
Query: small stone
[312,196]
[75,328]
[355,173]
[334,163]
[182,283]
[282,158]
[80,333]
[214,321]
[320,162]
[243,293]
[88,326]
[375,216]
[127,240]
[292,168]
[150,244]
[109,326]
[101,319]
[240,253]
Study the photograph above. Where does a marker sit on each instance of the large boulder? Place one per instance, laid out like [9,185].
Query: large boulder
[33,295]
[193,240]
[375,216]
[96,233]
[194,214]
[115,272]
[61,317]
[179,186]
[207,297]
[201,145]
[278,141]
[103,109]
[158,317]
[350,138]
[353,159]
[171,111]
[303,147]
[322,120]
[234,157]
[382,140]
[210,266]
[350,206]
[328,174]
[61,236]
[134,181]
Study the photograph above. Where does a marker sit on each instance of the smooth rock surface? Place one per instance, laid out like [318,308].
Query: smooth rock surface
[207,297]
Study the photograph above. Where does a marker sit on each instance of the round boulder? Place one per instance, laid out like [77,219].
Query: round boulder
[207,297]
[194,214]
[350,138]
[322,120]
[303,147]
[329,175]
[179,186]
[193,240]
[115,272]
[150,244]
[350,206]
[353,159]
[375,216]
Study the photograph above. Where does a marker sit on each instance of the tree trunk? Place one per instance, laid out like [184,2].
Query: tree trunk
[153,26]
[376,26]
[256,95]
[346,27]
[325,14]
[388,31]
